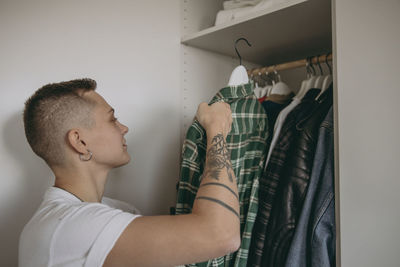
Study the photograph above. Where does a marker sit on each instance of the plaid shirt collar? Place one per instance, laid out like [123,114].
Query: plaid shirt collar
[233,92]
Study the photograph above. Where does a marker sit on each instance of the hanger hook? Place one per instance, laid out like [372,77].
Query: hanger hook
[319,65]
[277,75]
[326,62]
[312,66]
[308,67]
[237,52]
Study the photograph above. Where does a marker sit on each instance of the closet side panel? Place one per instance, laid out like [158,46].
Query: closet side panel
[367,51]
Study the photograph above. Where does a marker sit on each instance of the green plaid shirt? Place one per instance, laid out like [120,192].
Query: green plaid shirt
[247,143]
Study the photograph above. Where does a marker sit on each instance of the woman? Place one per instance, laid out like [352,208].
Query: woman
[74,130]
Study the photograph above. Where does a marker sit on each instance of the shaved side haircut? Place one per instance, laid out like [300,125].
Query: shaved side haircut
[52,111]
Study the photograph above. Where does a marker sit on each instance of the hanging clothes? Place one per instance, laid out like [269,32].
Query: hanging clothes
[247,143]
[270,177]
[280,99]
[273,105]
[314,240]
[278,125]
[293,182]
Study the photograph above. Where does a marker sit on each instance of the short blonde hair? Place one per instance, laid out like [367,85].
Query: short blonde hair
[52,111]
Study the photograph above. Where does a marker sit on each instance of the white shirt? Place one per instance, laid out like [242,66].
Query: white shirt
[67,232]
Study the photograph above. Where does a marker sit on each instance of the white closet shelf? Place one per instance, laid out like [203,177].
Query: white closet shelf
[305,29]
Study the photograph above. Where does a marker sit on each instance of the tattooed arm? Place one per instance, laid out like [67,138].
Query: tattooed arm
[217,197]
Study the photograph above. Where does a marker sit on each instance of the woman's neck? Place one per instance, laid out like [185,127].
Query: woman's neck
[84,184]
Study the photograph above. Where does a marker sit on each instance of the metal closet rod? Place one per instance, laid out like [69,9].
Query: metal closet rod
[290,65]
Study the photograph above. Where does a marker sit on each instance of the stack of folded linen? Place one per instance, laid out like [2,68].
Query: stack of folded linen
[234,9]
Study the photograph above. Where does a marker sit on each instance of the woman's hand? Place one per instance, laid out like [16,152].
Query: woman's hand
[215,118]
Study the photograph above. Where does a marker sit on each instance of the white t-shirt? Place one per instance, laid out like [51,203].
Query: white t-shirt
[67,232]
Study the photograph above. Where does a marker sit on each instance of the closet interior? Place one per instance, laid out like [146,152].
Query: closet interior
[290,41]
[287,31]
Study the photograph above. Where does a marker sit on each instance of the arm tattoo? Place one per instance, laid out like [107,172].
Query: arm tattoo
[221,203]
[227,187]
[218,158]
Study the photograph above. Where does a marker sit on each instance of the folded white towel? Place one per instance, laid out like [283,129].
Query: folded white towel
[232,4]
[224,16]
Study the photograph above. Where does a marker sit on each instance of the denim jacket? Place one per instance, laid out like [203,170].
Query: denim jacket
[313,243]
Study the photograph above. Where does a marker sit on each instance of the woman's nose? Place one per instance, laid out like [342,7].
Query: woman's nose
[124,128]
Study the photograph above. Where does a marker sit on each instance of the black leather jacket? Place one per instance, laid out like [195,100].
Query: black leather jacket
[293,185]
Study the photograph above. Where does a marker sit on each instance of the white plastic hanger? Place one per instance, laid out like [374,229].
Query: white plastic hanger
[308,83]
[280,88]
[258,90]
[327,79]
[302,88]
[318,82]
[267,88]
[239,74]
[320,78]
[264,90]
[311,81]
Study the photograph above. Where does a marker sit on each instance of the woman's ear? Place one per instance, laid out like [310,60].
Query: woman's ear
[75,140]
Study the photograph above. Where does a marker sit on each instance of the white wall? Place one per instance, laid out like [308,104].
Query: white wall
[132,50]
[368,81]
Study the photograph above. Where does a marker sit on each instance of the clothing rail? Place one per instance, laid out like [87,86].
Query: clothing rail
[290,65]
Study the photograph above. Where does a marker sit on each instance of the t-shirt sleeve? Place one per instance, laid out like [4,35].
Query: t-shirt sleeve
[107,238]
[89,232]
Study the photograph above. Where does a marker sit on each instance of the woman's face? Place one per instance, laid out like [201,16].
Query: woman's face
[106,140]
